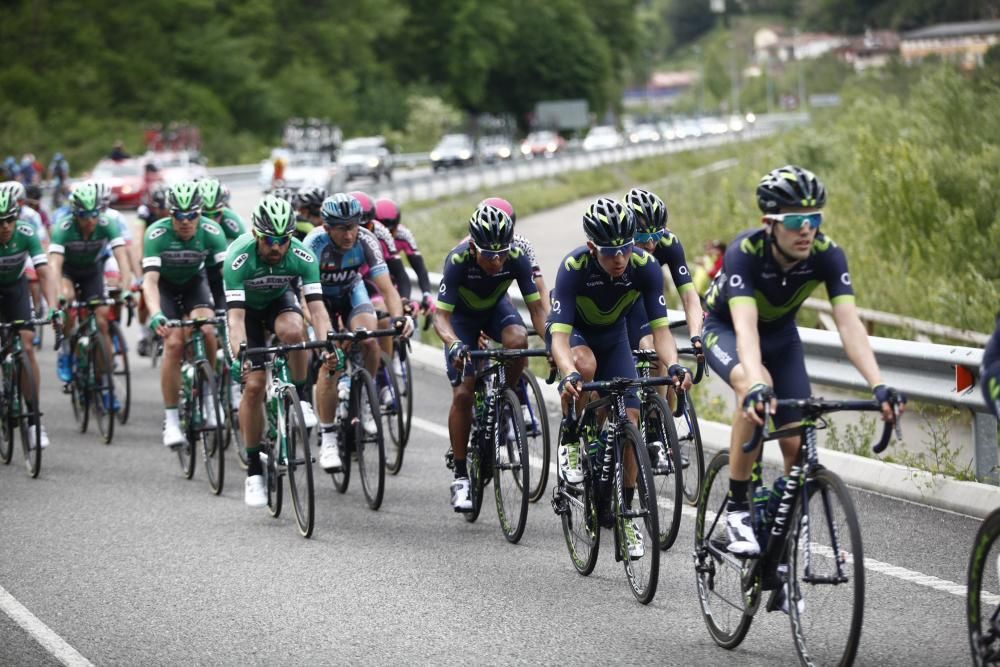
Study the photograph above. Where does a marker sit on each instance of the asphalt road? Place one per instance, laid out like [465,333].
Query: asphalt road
[131,564]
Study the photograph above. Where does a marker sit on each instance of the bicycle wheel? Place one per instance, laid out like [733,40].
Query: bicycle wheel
[155,350]
[536,431]
[272,481]
[474,464]
[392,415]
[691,451]
[6,419]
[297,462]
[983,606]
[510,468]
[642,572]
[404,378]
[658,427]
[826,573]
[370,447]
[209,425]
[78,394]
[31,439]
[121,375]
[719,574]
[186,452]
[577,508]
[102,389]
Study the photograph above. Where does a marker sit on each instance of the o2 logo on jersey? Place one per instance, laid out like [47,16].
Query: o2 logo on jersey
[845,278]
[157,233]
[663,300]
[304,255]
[736,281]
[240,261]
[556,306]
[683,270]
[442,289]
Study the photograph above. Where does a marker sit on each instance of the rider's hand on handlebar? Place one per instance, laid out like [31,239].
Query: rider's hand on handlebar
[758,403]
[569,386]
[404,324]
[236,371]
[427,304]
[335,359]
[893,402]
[158,324]
[697,345]
[680,375]
[457,354]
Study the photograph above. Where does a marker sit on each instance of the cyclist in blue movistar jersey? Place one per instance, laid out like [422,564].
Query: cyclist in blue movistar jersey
[471,300]
[750,333]
[587,334]
[990,372]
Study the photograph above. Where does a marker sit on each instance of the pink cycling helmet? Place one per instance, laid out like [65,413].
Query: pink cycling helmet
[387,212]
[501,204]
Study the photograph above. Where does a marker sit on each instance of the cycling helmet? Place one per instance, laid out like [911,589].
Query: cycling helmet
[184,196]
[790,187]
[608,223]
[491,228]
[103,194]
[503,205]
[33,192]
[273,217]
[311,197]
[210,190]
[9,208]
[387,212]
[157,195]
[84,198]
[341,209]
[367,205]
[281,192]
[17,189]
[649,210]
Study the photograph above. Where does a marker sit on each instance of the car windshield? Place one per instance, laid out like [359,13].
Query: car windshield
[452,140]
[598,131]
[363,149]
[116,170]
[541,137]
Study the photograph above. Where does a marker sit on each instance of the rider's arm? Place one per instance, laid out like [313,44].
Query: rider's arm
[237,332]
[399,275]
[670,252]
[539,311]
[562,355]
[442,326]
[538,307]
[420,268]
[389,293]
[855,340]
[744,315]
[50,284]
[318,317]
[692,310]
[151,290]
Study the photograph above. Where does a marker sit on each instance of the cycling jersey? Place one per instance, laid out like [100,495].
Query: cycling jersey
[252,283]
[750,274]
[33,219]
[340,270]
[232,224]
[385,239]
[466,288]
[145,214]
[990,371]
[524,245]
[406,243]
[23,246]
[302,228]
[670,253]
[177,261]
[83,255]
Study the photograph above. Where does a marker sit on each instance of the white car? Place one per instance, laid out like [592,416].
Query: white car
[644,132]
[365,157]
[602,137]
[177,166]
[301,170]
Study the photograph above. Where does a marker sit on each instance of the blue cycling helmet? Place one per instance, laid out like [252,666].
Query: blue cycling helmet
[341,209]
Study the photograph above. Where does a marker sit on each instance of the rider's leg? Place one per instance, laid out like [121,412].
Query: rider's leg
[460,423]
[369,348]
[252,419]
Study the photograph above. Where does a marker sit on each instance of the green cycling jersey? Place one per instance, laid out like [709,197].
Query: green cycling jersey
[232,224]
[13,254]
[179,261]
[84,254]
[252,283]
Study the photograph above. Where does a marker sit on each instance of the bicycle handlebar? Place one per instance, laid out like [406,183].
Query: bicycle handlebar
[702,368]
[504,353]
[245,351]
[362,334]
[196,322]
[814,407]
[618,385]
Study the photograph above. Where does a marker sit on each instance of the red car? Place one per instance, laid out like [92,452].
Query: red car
[542,144]
[127,179]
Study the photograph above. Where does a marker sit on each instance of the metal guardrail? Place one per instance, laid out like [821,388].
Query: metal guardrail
[921,328]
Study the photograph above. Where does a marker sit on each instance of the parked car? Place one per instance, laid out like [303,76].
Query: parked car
[495,148]
[365,157]
[301,170]
[454,150]
[542,144]
[126,178]
[644,132]
[602,137]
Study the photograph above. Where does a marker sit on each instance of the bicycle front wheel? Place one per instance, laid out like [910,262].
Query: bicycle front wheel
[825,594]
[642,566]
[577,507]
[28,410]
[983,606]
[102,389]
[7,419]
[120,373]
[661,441]
[536,432]
[404,379]
[510,469]
[209,426]
[368,438]
[392,415]
[186,452]
[297,462]
[691,451]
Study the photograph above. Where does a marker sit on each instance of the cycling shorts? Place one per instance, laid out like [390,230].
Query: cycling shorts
[177,301]
[613,354]
[468,326]
[260,322]
[89,284]
[780,351]
[346,307]
[15,302]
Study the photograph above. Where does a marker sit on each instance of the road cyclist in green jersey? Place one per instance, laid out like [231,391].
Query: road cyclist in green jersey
[79,240]
[750,334]
[261,269]
[18,244]
[215,206]
[176,252]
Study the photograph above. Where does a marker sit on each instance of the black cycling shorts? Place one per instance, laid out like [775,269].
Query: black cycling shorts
[613,354]
[15,302]
[260,323]
[177,301]
[89,284]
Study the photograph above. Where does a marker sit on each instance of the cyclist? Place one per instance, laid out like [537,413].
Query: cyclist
[387,212]
[18,244]
[153,210]
[477,273]
[522,243]
[587,334]
[990,372]
[750,333]
[112,272]
[215,206]
[17,194]
[343,249]
[176,251]
[260,268]
[79,239]
[308,202]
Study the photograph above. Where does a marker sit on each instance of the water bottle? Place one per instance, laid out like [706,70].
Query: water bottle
[343,395]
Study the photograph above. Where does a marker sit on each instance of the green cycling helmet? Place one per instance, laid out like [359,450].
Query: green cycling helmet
[211,194]
[9,208]
[273,217]
[85,197]
[183,197]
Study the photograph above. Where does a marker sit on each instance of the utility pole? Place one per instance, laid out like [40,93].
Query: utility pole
[803,104]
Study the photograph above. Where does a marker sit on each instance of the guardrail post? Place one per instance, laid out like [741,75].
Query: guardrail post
[984,432]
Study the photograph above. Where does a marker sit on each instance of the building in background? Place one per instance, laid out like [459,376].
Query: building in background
[962,43]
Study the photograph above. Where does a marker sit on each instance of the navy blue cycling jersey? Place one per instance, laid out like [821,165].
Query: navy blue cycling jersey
[750,274]
[990,372]
[670,253]
[589,300]
[466,288]
[340,270]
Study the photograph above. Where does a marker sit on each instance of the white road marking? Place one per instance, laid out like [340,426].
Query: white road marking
[40,632]
[894,571]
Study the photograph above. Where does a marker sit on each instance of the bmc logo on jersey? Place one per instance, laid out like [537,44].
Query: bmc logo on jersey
[26,230]
[157,233]
[240,261]
[304,255]
[212,229]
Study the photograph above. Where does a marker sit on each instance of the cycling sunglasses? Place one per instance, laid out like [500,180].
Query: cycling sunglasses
[87,214]
[9,220]
[272,240]
[190,215]
[795,221]
[492,254]
[614,250]
[653,237]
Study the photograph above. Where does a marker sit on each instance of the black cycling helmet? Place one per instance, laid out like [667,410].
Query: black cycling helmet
[311,197]
[340,209]
[33,192]
[273,217]
[790,187]
[281,192]
[184,196]
[158,195]
[491,228]
[608,223]
[649,210]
